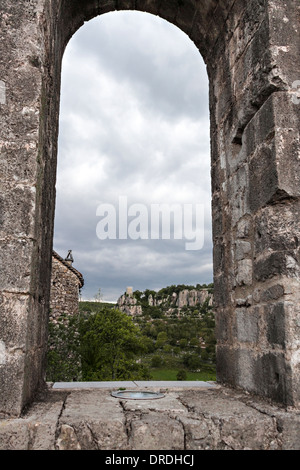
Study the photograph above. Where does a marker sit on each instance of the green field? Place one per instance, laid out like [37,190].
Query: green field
[171,374]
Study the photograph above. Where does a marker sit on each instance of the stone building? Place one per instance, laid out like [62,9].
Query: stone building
[66,282]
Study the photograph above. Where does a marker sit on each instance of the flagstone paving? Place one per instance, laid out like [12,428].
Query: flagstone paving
[190,416]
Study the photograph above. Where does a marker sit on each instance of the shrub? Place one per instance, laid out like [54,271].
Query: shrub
[181,374]
[156,361]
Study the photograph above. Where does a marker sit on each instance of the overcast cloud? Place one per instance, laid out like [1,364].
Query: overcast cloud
[134,123]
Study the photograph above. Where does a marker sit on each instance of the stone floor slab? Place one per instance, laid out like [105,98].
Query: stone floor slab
[91,385]
[203,418]
[132,384]
[175,383]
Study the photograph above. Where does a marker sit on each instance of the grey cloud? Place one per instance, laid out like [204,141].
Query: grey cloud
[128,44]
[142,265]
[133,122]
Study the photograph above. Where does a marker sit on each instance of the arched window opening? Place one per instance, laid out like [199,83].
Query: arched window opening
[133,180]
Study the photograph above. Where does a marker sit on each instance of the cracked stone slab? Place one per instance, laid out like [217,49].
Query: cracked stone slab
[232,423]
[202,419]
[156,431]
[97,421]
[37,429]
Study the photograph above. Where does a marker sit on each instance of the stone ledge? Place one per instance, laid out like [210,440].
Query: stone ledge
[203,418]
[131,384]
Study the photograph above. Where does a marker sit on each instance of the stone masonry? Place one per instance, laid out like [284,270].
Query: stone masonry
[66,282]
[252,54]
[186,419]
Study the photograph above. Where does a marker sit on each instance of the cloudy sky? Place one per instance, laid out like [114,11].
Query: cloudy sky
[134,127]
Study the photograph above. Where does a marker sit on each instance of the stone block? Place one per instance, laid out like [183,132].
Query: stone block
[273,377]
[144,435]
[168,10]
[11,384]
[277,228]
[222,87]
[248,17]
[14,435]
[260,128]
[14,309]
[242,250]
[185,16]
[289,426]
[126,4]
[287,144]
[38,430]
[276,324]
[226,364]
[221,294]
[11,153]
[253,78]
[263,177]
[276,264]
[244,272]
[151,6]
[233,425]
[223,325]
[106,428]
[272,293]
[247,325]
[219,258]
[198,434]
[244,228]
[217,216]
[17,204]
[283,27]
[238,194]
[246,370]
[16,264]
[274,149]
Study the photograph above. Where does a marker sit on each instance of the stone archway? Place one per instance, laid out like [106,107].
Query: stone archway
[251,51]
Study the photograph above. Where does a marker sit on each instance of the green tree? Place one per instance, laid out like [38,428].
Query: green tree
[162,339]
[192,362]
[149,344]
[181,375]
[156,361]
[63,354]
[110,346]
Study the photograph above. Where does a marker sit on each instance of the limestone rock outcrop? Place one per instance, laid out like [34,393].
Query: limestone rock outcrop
[133,304]
[129,304]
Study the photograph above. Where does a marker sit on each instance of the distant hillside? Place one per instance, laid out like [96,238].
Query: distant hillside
[87,306]
[169,301]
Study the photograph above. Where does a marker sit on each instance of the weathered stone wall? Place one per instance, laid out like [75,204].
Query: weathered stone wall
[25,242]
[255,178]
[252,54]
[65,285]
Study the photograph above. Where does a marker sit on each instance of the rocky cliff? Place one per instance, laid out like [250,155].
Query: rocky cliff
[129,304]
[133,303]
